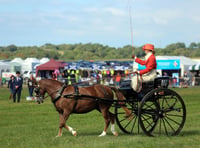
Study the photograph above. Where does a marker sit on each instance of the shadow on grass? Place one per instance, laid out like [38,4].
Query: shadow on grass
[95,133]
[190,133]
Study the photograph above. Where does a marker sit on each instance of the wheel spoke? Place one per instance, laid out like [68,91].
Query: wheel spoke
[120,113]
[164,126]
[146,114]
[174,115]
[160,127]
[169,125]
[135,119]
[127,124]
[162,104]
[168,105]
[149,106]
[173,120]
[148,123]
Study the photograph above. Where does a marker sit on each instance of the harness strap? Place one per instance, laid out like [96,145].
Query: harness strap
[105,93]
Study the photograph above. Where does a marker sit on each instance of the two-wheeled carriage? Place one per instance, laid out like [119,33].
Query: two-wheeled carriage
[156,110]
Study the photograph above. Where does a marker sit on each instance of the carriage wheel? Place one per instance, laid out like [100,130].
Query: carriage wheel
[162,112]
[128,123]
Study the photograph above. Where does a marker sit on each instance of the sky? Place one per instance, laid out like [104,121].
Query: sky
[107,22]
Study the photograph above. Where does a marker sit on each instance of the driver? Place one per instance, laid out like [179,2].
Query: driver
[149,73]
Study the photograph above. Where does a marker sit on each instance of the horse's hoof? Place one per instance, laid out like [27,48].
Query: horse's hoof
[102,134]
[115,134]
[74,133]
[58,136]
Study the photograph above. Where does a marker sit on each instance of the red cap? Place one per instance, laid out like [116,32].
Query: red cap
[148,47]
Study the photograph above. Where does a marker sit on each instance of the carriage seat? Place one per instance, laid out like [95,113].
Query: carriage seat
[157,83]
[162,82]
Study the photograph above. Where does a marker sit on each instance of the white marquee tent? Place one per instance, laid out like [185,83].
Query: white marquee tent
[4,67]
[29,64]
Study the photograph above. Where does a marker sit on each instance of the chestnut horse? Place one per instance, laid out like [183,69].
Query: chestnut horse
[70,102]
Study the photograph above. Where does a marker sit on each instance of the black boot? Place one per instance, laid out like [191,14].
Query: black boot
[59,93]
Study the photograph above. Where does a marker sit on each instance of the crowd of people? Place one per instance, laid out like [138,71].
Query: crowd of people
[105,77]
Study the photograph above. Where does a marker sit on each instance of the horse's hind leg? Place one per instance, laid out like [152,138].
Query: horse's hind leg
[112,117]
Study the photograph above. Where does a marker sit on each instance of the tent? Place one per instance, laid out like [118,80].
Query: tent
[44,60]
[4,67]
[195,67]
[29,64]
[185,62]
[17,60]
[51,65]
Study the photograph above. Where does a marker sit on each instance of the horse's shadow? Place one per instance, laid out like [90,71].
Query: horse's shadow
[85,134]
[190,133]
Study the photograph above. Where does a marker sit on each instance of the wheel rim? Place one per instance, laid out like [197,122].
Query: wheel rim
[169,112]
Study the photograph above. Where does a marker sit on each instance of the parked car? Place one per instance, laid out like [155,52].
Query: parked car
[27,74]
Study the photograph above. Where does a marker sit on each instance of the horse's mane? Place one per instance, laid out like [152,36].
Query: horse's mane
[50,82]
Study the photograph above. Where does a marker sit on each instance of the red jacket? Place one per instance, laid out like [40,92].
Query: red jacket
[150,64]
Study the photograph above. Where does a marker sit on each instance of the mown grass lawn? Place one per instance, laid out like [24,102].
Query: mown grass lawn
[29,125]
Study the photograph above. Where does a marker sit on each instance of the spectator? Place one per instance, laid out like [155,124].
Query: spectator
[118,79]
[17,87]
[11,86]
[30,85]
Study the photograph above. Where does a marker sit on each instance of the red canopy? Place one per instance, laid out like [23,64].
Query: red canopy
[50,65]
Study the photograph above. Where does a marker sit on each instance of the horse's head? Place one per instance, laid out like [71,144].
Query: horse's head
[48,86]
[39,92]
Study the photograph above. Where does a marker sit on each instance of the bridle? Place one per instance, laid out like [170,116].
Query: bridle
[40,97]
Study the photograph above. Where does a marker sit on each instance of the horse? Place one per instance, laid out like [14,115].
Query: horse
[99,97]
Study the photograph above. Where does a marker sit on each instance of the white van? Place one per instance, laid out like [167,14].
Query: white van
[27,74]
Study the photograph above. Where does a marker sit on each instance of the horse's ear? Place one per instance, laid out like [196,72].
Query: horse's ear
[36,80]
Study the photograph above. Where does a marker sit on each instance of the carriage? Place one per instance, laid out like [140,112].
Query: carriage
[156,110]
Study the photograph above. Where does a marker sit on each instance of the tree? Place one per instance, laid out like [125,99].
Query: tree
[193,45]
[198,45]
[12,48]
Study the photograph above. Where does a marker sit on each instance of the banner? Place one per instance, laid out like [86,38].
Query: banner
[165,65]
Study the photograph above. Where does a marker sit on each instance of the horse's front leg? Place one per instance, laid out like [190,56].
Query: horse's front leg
[61,125]
[107,121]
[112,117]
[71,130]
[63,118]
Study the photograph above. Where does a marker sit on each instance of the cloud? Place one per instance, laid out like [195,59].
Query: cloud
[100,20]
[106,11]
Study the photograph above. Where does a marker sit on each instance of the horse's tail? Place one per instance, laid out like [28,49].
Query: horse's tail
[118,94]
[120,98]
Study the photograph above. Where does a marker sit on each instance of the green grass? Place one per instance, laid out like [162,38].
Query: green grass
[27,125]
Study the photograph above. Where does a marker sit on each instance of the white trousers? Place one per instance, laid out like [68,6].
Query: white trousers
[136,81]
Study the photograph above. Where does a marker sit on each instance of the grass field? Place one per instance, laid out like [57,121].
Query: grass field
[29,125]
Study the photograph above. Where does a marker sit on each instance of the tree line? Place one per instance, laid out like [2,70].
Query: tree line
[93,51]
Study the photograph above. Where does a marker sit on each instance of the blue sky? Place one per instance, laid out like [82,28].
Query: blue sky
[36,22]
